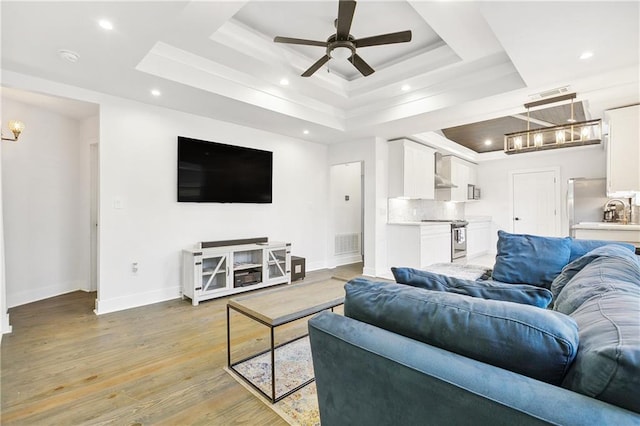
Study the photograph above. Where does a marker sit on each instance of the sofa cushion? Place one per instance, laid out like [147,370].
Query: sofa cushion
[581,247]
[530,259]
[536,342]
[607,366]
[517,293]
[607,268]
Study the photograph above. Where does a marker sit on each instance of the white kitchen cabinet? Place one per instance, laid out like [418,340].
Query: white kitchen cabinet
[418,245]
[623,150]
[213,272]
[411,170]
[478,238]
[461,173]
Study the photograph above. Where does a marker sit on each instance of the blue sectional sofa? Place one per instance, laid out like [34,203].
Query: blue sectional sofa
[441,351]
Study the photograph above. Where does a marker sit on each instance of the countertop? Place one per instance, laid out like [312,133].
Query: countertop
[470,219]
[420,223]
[608,226]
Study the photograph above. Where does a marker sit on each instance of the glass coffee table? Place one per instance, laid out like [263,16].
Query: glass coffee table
[278,307]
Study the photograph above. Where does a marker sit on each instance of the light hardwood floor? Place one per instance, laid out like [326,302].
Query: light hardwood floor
[158,364]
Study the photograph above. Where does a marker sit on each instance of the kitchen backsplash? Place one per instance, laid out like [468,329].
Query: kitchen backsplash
[402,210]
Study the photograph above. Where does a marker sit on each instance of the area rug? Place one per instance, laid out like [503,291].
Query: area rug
[465,272]
[293,367]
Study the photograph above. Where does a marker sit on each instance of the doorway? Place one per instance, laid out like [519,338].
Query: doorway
[346,228]
[535,201]
[93,214]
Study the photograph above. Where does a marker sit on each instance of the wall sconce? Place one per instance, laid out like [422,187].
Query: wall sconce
[563,136]
[16,128]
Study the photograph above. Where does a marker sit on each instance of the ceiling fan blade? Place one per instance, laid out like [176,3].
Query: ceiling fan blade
[361,65]
[302,41]
[346,8]
[391,38]
[315,67]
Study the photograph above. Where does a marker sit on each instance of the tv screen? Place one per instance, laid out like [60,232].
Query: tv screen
[210,172]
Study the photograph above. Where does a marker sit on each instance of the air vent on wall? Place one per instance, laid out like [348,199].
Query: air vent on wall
[553,92]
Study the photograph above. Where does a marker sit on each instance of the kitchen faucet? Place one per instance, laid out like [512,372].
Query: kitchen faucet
[614,216]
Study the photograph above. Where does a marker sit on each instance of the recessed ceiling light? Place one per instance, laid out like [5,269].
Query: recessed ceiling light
[586,55]
[488,142]
[284,82]
[105,25]
[68,55]
[306,132]
[155,92]
[405,88]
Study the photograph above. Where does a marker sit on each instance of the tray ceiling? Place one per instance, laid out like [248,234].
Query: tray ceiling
[468,62]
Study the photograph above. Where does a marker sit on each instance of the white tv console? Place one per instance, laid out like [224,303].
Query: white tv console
[221,268]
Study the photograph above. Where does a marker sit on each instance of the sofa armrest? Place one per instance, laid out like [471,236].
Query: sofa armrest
[366,375]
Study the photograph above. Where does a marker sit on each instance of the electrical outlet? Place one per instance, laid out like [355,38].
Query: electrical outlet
[134,267]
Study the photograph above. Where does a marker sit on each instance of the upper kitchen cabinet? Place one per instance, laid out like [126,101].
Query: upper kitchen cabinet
[623,150]
[456,175]
[411,170]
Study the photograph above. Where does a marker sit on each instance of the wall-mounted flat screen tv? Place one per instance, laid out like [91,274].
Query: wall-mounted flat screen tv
[211,172]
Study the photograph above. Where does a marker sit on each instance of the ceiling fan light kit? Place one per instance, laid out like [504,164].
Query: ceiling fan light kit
[343,45]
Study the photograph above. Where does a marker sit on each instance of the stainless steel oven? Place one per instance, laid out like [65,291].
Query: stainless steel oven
[458,239]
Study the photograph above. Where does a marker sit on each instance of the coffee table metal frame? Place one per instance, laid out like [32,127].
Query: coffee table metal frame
[272,347]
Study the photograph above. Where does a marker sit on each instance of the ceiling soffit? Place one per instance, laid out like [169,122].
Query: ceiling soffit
[474,135]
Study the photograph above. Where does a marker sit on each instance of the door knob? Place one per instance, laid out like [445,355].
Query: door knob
[516,218]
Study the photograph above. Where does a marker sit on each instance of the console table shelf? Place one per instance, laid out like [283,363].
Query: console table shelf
[222,270]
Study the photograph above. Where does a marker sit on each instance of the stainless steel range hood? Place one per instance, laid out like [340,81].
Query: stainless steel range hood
[441,180]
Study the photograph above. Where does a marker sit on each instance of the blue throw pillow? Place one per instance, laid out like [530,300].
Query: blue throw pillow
[607,366]
[538,343]
[530,259]
[581,247]
[517,293]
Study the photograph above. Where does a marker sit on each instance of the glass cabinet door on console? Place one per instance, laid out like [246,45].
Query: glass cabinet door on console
[215,271]
[276,263]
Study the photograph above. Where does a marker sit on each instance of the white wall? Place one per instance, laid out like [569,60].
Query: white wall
[5,326]
[138,149]
[45,221]
[493,180]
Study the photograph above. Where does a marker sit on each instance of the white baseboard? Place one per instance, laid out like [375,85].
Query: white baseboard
[386,275]
[368,271]
[33,295]
[135,300]
[5,327]
[347,259]
[314,266]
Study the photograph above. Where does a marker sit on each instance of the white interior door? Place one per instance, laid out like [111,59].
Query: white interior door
[536,208]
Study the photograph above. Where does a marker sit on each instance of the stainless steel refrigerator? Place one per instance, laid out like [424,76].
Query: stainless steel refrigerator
[585,200]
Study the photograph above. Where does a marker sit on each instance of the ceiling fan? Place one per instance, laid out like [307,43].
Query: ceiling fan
[343,45]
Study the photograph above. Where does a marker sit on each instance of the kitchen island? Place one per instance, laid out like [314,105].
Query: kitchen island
[417,244]
[626,233]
